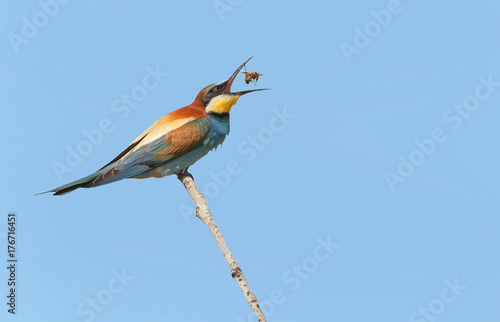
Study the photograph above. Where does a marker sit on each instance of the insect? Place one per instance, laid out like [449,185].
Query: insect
[251,75]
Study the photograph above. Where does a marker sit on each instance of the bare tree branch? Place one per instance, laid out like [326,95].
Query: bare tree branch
[204,214]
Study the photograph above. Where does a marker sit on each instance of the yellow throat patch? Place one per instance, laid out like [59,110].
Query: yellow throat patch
[222,104]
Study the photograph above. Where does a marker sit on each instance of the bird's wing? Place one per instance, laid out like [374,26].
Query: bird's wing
[153,148]
[164,125]
[167,146]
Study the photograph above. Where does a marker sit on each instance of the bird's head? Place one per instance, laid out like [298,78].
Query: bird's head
[217,97]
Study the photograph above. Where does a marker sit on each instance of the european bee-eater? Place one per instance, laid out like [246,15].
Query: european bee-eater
[174,142]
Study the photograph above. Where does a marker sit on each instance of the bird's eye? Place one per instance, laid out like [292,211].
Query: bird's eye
[217,88]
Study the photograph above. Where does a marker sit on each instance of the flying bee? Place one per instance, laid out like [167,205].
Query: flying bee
[251,75]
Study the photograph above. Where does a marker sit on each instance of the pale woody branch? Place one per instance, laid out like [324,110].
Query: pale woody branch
[204,214]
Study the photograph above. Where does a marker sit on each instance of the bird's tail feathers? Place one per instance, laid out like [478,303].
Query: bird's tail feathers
[67,188]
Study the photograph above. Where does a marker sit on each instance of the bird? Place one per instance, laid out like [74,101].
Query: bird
[174,142]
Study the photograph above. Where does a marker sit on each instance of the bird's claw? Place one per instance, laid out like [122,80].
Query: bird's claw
[184,173]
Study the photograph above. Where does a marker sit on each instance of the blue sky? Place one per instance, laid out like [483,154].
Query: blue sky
[362,187]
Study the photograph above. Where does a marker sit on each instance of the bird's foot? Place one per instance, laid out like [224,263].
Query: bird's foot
[184,173]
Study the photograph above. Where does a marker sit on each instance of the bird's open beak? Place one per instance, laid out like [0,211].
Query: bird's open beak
[231,79]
